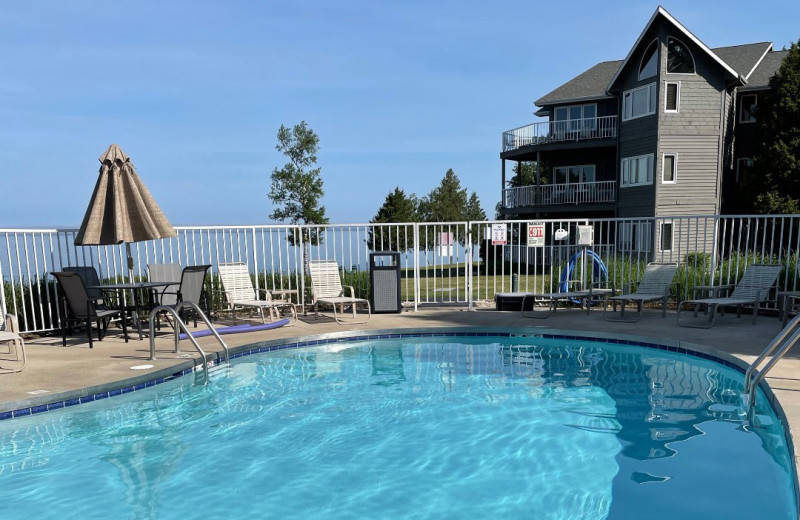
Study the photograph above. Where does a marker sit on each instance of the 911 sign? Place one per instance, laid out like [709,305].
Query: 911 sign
[535,234]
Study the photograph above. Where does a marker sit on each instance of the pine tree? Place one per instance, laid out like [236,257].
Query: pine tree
[397,208]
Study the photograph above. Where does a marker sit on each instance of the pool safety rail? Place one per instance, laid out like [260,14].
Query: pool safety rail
[451,263]
[179,324]
[753,376]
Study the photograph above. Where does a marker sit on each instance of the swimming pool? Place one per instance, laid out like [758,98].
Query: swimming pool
[424,427]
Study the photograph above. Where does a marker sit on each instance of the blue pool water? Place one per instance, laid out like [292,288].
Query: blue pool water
[412,428]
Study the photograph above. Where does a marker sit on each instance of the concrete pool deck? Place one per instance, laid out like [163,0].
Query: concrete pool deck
[54,372]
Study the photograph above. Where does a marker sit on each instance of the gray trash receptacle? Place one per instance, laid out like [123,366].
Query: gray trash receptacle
[384,281]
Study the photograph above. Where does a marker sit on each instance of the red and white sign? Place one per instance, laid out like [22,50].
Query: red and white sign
[535,234]
[498,234]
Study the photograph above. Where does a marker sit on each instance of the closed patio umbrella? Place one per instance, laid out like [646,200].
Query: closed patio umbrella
[121,208]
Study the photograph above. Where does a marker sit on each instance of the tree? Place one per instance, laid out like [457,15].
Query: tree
[297,187]
[448,202]
[773,182]
[398,207]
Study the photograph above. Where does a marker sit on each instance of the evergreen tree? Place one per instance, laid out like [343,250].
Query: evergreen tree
[297,187]
[773,182]
[448,202]
[398,207]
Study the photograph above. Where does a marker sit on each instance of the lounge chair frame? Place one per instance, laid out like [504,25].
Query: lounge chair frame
[16,346]
[327,289]
[654,286]
[239,292]
[752,289]
[584,298]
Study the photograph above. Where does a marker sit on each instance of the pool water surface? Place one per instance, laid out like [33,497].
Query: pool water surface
[413,428]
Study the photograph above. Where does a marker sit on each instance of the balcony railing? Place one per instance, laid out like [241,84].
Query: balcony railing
[560,132]
[553,194]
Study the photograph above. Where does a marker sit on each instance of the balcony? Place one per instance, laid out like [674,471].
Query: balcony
[571,131]
[601,192]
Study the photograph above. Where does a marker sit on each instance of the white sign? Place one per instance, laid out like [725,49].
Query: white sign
[498,234]
[585,235]
[535,234]
[561,234]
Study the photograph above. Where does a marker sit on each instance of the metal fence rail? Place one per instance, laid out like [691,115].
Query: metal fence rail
[462,263]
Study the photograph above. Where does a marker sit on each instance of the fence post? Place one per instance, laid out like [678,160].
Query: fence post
[468,266]
[416,265]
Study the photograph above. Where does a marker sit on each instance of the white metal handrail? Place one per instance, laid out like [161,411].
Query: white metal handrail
[547,132]
[753,376]
[567,193]
[180,325]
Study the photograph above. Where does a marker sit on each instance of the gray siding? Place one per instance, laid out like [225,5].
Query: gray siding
[694,135]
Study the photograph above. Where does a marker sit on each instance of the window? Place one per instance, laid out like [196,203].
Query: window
[742,165]
[669,168]
[747,110]
[575,118]
[679,58]
[573,174]
[639,102]
[649,65]
[666,236]
[637,171]
[634,236]
[672,96]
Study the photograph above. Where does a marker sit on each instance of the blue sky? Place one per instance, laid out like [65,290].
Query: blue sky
[398,92]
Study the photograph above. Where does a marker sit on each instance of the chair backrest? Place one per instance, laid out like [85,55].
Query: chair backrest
[193,280]
[74,292]
[90,279]
[325,279]
[236,282]
[657,278]
[166,273]
[756,282]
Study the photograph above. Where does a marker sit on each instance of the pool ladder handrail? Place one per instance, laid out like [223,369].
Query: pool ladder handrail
[753,376]
[178,323]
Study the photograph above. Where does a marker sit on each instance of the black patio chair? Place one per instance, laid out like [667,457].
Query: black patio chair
[80,307]
[191,289]
[90,280]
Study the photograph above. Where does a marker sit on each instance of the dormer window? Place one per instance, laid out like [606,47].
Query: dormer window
[679,58]
[649,65]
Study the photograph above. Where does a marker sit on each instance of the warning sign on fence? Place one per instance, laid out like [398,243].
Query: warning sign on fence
[498,234]
[535,234]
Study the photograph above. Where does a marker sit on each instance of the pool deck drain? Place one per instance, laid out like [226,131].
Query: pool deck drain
[57,370]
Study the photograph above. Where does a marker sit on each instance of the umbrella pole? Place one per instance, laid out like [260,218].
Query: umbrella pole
[130,262]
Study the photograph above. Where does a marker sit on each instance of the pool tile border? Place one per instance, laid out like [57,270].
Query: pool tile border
[697,351]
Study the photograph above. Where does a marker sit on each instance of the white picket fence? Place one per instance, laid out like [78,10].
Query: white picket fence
[464,263]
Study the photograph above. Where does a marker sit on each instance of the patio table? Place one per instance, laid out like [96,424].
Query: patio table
[120,288]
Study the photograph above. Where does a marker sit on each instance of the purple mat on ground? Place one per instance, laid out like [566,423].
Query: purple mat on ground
[238,328]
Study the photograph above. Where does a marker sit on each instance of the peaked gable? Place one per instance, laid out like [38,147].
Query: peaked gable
[662,13]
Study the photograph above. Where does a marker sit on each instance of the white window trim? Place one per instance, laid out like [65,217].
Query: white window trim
[674,166]
[592,166]
[739,162]
[671,237]
[691,55]
[631,91]
[741,112]
[677,97]
[650,160]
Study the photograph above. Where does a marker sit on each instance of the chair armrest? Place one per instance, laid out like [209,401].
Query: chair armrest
[266,293]
[352,290]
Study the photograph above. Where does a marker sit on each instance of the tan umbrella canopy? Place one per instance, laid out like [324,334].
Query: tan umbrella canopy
[121,208]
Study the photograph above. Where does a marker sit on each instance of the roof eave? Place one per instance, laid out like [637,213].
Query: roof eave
[541,104]
[687,32]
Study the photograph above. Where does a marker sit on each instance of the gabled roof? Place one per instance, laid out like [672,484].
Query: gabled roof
[591,84]
[766,68]
[743,58]
[686,32]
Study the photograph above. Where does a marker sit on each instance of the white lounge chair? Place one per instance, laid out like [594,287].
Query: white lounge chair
[326,288]
[751,290]
[16,346]
[656,281]
[239,291]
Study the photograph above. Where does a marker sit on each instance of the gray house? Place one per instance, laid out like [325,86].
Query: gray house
[666,131]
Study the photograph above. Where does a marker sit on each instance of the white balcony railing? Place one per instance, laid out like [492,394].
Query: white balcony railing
[552,194]
[560,131]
